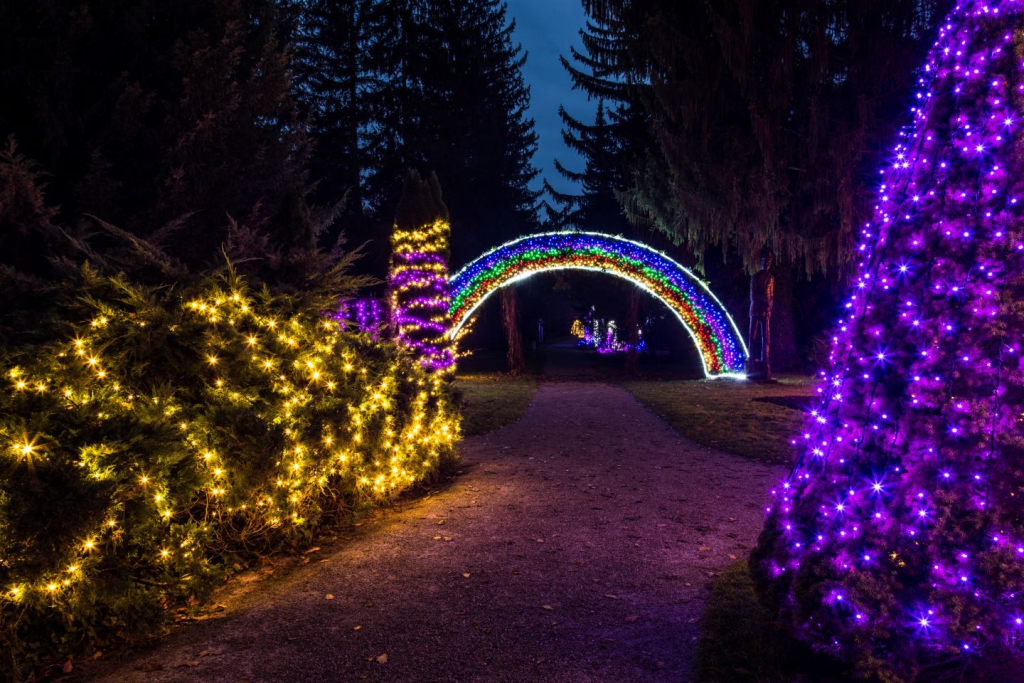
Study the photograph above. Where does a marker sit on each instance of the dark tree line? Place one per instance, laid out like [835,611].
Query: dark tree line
[270,124]
[766,120]
[427,84]
[742,124]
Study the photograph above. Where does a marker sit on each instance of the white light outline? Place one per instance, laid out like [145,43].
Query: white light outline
[457,325]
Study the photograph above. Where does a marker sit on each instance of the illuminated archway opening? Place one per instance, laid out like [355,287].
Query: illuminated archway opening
[718,340]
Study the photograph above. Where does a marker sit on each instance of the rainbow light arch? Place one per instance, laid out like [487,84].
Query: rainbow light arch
[712,329]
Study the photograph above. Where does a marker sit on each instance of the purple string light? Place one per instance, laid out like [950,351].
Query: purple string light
[899,531]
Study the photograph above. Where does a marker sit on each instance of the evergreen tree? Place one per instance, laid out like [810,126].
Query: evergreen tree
[418,279]
[898,538]
[334,79]
[146,112]
[597,207]
[766,117]
[356,82]
[607,147]
[474,131]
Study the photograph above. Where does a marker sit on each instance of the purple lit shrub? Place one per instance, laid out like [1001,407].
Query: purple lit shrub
[898,538]
[368,315]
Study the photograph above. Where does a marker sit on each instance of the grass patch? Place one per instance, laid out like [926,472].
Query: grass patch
[490,402]
[740,641]
[756,421]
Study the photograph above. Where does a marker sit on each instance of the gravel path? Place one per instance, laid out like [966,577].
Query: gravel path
[578,545]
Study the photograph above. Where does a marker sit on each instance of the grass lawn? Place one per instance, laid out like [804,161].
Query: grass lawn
[493,401]
[753,420]
[741,641]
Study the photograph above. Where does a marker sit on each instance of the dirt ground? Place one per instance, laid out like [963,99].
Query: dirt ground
[578,545]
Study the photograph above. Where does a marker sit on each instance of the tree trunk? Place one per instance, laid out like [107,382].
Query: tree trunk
[510,319]
[632,335]
[783,329]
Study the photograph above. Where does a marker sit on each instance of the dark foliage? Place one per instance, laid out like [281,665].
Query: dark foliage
[162,117]
[767,118]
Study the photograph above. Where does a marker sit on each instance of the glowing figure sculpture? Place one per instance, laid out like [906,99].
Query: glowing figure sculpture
[418,277]
[899,534]
[721,347]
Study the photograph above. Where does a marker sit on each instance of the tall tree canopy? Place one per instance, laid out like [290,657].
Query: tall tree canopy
[596,207]
[766,117]
[474,131]
[145,112]
[433,85]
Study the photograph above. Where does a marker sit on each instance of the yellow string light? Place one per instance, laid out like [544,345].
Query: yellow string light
[304,364]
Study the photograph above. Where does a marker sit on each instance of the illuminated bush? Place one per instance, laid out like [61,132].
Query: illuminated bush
[169,431]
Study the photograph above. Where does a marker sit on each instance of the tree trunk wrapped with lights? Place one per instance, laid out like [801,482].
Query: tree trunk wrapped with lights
[418,278]
[899,535]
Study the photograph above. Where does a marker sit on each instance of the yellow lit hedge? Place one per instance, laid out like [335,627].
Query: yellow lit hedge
[173,434]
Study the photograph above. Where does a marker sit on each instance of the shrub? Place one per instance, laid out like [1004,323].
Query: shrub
[172,433]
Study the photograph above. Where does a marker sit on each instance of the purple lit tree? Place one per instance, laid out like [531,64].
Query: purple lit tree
[898,538]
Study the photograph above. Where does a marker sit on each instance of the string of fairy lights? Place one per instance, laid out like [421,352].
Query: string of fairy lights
[721,346]
[346,415]
[899,530]
[418,282]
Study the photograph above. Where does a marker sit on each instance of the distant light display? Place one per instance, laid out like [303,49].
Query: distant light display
[899,534]
[721,347]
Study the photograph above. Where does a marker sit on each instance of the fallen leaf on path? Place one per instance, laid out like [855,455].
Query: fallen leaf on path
[732,557]
[67,667]
[465,575]
[328,597]
[437,538]
[312,550]
[383,659]
[356,628]
[612,597]
[547,607]
[447,539]
[705,549]
[440,522]
[209,653]
[688,585]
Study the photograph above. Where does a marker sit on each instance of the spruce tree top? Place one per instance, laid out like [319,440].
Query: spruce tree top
[899,534]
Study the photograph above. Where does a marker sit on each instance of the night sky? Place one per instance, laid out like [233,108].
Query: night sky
[546,29]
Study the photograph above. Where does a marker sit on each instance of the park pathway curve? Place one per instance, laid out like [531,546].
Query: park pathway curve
[578,545]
